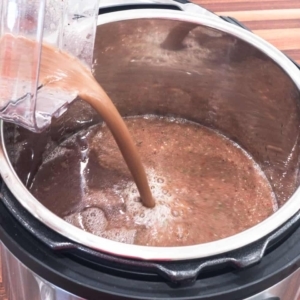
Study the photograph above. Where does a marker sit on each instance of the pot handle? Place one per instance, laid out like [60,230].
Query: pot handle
[187,272]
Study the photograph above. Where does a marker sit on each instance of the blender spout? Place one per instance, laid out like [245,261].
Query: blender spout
[67,25]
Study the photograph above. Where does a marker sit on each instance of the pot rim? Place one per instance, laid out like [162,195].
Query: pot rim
[29,202]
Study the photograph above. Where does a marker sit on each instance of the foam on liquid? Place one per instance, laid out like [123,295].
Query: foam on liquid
[93,219]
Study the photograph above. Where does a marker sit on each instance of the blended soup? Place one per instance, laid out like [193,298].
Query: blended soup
[205,186]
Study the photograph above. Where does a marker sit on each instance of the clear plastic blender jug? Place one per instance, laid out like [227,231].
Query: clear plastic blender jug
[69,25]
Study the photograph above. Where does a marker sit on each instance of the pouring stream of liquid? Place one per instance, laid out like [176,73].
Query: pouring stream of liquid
[98,99]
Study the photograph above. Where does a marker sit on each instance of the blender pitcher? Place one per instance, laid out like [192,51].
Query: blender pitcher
[68,25]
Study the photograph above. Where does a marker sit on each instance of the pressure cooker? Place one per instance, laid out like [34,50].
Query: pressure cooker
[230,80]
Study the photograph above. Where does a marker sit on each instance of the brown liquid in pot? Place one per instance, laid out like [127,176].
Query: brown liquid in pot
[206,187]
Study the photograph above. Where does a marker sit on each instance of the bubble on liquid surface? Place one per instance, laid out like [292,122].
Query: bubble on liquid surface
[175,213]
[94,220]
[142,215]
[160,180]
[137,199]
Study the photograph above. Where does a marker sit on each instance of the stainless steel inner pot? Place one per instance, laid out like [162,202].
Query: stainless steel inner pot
[179,64]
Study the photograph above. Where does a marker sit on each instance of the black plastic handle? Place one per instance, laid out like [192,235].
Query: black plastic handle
[234,22]
[125,7]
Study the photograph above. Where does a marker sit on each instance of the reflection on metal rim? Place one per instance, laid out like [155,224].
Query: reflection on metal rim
[161,253]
